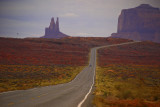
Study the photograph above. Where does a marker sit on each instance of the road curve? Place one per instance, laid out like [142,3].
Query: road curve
[72,94]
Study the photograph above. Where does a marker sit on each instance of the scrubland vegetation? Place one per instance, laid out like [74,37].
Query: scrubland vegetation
[34,62]
[128,76]
[28,63]
[41,51]
[15,77]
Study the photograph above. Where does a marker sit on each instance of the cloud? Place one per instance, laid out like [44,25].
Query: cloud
[69,15]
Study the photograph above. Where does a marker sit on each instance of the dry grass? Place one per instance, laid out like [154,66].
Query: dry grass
[122,83]
[17,77]
[128,76]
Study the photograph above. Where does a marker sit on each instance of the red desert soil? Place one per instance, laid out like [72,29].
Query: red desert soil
[128,76]
[143,53]
[33,62]
[40,51]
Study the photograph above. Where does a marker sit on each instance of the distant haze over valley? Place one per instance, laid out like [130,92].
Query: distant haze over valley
[97,18]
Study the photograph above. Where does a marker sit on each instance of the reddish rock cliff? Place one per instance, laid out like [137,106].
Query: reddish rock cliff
[140,23]
[53,30]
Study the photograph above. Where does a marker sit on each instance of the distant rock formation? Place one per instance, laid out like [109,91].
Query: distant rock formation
[53,30]
[140,23]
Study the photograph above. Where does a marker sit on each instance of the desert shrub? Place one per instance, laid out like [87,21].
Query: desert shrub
[118,87]
[137,85]
[15,77]
[126,94]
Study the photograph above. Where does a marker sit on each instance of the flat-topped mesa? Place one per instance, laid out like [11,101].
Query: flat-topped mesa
[53,30]
[142,19]
[147,6]
[139,23]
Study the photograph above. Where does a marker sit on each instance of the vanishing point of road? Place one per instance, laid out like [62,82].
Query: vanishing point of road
[77,93]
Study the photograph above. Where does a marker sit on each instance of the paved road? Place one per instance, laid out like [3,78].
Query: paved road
[72,94]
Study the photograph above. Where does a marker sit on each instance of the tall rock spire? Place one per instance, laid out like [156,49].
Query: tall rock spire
[52,25]
[53,30]
[57,25]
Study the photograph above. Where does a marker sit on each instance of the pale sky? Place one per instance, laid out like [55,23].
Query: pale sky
[28,18]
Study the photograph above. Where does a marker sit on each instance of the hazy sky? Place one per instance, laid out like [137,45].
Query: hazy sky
[28,18]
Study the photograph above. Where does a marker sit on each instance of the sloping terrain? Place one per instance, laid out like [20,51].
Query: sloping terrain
[142,53]
[128,75]
[32,62]
[40,51]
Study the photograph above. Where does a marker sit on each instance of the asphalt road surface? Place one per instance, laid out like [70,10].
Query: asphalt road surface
[77,93]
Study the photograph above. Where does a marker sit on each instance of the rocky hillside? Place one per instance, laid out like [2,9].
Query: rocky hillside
[139,23]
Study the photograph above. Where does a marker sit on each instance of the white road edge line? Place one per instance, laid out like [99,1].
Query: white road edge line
[80,104]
